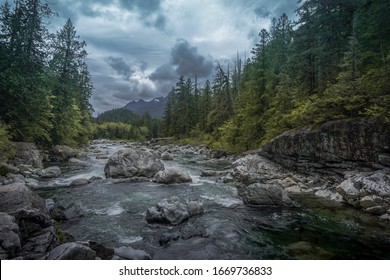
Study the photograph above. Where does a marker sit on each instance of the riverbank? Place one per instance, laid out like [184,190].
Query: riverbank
[233,221]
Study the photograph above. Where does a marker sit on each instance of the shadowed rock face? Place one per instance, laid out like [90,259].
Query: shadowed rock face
[31,223]
[333,146]
[128,163]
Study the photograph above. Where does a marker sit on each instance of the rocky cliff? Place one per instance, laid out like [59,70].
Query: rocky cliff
[333,147]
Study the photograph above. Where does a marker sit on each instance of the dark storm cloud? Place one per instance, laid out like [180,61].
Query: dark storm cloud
[120,66]
[150,11]
[164,72]
[188,61]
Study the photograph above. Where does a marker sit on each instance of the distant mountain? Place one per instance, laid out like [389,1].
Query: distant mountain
[155,107]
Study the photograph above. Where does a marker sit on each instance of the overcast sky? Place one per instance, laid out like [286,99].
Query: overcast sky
[139,48]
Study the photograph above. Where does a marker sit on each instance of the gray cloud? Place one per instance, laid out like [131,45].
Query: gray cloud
[163,73]
[188,61]
[150,11]
[120,66]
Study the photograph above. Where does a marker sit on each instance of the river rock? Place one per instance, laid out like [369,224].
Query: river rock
[102,252]
[172,211]
[61,153]
[64,212]
[51,172]
[10,244]
[303,250]
[172,176]
[72,251]
[129,163]
[254,168]
[28,154]
[368,191]
[166,156]
[37,234]
[265,194]
[79,182]
[8,168]
[129,253]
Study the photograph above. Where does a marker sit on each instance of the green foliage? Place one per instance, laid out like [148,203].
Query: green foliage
[48,103]
[130,126]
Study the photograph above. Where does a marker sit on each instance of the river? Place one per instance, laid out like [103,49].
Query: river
[114,214]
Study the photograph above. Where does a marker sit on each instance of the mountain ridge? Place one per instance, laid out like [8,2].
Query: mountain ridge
[154,107]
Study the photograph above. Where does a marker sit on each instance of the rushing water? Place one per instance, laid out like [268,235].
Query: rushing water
[115,215]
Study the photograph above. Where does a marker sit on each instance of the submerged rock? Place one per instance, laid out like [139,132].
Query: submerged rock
[172,176]
[129,163]
[303,250]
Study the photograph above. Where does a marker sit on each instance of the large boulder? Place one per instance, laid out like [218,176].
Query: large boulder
[172,176]
[128,163]
[10,244]
[27,154]
[37,234]
[264,195]
[368,191]
[72,251]
[332,147]
[172,211]
[61,153]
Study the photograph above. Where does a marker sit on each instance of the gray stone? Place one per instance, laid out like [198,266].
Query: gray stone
[368,191]
[51,172]
[332,147]
[129,253]
[129,163]
[28,154]
[172,176]
[166,156]
[172,211]
[35,225]
[79,182]
[10,244]
[61,153]
[72,251]
[265,194]
[102,252]
[64,212]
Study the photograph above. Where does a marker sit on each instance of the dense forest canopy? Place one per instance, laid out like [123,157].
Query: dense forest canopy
[330,62]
